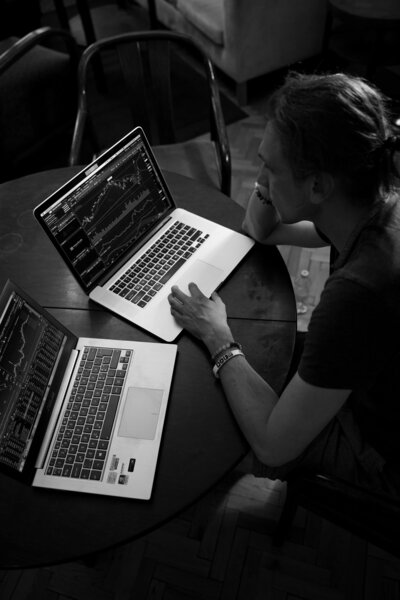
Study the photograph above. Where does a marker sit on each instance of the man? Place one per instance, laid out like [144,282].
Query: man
[327,177]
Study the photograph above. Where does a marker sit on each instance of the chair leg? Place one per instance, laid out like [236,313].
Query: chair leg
[327,33]
[241,93]
[286,518]
[154,23]
[62,14]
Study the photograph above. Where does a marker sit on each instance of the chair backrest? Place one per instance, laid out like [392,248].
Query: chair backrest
[38,96]
[372,516]
[157,79]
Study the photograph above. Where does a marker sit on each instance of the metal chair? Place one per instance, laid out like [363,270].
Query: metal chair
[154,79]
[38,96]
[372,516]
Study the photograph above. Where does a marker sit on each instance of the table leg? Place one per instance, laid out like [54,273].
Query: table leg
[62,14]
[154,24]
[86,18]
[90,37]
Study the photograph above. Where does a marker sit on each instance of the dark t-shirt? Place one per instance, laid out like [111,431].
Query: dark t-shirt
[354,334]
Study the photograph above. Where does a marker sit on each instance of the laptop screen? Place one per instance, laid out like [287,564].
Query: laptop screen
[31,350]
[97,219]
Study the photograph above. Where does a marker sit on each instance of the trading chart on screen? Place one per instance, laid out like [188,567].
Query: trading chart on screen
[29,350]
[101,220]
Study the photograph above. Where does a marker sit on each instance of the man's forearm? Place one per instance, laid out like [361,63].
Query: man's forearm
[260,219]
[251,400]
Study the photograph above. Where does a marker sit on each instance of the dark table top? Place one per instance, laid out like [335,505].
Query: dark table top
[201,441]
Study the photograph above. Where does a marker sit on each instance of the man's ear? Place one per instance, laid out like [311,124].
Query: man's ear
[322,186]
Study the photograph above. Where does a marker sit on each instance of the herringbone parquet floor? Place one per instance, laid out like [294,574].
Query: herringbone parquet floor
[221,549]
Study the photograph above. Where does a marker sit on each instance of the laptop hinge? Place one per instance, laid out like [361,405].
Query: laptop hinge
[55,415]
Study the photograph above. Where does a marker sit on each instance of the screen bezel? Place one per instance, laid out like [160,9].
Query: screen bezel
[84,175]
[28,471]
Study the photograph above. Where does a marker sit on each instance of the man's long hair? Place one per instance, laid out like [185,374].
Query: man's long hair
[338,124]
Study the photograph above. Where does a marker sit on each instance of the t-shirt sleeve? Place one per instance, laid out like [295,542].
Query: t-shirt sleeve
[343,347]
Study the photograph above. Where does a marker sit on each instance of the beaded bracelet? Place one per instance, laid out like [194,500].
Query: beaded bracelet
[224,358]
[225,347]
[260,196]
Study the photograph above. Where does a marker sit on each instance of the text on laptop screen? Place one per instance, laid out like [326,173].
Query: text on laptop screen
[30,347]
[104,216]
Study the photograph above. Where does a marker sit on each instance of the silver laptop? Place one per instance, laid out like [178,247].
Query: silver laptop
[78,414]
[116,225]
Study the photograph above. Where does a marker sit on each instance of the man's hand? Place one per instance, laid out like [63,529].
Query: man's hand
[202,317]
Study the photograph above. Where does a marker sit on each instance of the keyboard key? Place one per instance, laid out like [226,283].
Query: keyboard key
[76,470]
[67,471]
[91,354]
[98,465]
[104,352]
[110,416]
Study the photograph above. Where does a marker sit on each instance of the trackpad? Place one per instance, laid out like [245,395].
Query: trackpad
[140,413]
[206,276]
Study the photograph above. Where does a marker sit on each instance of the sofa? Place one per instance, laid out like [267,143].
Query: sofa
[248,38]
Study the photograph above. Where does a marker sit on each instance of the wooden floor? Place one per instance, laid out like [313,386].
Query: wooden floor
[221,549]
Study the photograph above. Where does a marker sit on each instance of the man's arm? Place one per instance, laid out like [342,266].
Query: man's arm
[263,224]
[278,429]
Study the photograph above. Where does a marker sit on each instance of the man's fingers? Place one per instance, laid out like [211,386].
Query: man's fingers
[195,290]
[173,300]
[217,299]
[178,294]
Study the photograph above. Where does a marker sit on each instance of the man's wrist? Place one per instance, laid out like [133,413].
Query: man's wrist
[213,343]
[225,347]
[225,357]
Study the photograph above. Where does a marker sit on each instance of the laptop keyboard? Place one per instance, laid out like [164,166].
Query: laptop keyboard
[141,282]
[81,445]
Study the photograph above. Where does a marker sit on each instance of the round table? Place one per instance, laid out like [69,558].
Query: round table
[201,440]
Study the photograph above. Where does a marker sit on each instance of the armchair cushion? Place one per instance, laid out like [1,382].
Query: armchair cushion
[247,39]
